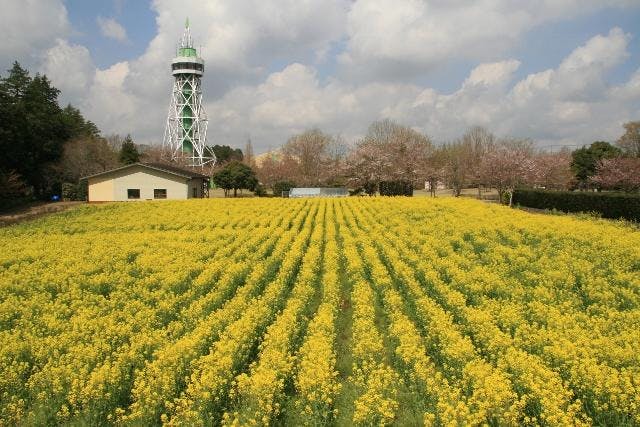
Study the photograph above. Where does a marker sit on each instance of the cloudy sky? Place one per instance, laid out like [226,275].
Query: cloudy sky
[562,72]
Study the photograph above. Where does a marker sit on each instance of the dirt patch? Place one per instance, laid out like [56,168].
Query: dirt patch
[32,211]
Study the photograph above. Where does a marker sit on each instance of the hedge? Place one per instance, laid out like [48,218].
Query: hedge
[396,188]
[609,205]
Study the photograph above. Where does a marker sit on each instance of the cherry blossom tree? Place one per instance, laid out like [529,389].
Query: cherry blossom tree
[391,152]
[506,165]
[620,173]
[276,167]
[553,170]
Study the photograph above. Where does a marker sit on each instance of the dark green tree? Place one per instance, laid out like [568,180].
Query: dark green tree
[33,129]
[585,160]
[223,179]
[225,153]
[77,125]
[129,152]
[235,176]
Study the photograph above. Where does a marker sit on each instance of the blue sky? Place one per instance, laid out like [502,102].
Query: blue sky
[560,72]
[137,17]
[540,49]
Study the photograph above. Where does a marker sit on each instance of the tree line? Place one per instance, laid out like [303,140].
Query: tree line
[47,149]
[392,155]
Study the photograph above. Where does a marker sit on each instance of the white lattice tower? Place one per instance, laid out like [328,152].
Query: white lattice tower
[185,133]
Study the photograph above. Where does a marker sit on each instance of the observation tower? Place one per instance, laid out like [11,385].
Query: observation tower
[185,134]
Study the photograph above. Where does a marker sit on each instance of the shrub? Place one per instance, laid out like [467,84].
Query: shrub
[260,191]
[71,191]
[609,205]
[370,188]
[396,188]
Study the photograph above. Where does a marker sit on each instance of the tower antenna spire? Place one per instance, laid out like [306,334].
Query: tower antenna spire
[186,129]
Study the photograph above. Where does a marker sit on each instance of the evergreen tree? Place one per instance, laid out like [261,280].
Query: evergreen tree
[78,126]
[128,152]
[585,159]
[33,131]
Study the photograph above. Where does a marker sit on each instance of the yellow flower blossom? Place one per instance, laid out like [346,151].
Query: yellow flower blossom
[229,312]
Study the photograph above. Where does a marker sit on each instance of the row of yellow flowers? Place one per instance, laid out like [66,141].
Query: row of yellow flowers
[163,377]
[316,380]
[489,392]
[562,336]
[135,314]
[376,380]
[445,402]
[258,394]
[62,364]
[206,394]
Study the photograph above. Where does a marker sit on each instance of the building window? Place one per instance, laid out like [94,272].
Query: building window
[160,193]
[133,193]
[195,192]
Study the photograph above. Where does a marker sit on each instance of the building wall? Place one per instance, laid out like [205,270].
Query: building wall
[197,184]
[101,189]
[144,179]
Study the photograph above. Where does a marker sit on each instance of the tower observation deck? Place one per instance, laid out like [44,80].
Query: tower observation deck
[185,133]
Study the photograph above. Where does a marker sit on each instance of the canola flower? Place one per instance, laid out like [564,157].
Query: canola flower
[459,313]
[316,380]
[373,375]
[259,393]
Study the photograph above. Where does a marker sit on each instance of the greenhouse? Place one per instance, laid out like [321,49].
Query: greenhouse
[318,192]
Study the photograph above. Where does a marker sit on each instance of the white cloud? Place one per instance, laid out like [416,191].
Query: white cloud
[238,40]
[243,37]
[630,90]
[492,73]
[30,27]
[101,95]
[70,68]
[538,106]
[262,61]
[392,39]
[110,28]
[110,103]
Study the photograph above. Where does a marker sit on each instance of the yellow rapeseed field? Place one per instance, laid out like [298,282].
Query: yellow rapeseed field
[365,311]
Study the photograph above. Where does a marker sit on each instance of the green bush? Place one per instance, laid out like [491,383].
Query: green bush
[260,191]
[609,205]
[71,191]
[396,188]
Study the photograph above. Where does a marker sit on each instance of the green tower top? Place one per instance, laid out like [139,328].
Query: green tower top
[186,44]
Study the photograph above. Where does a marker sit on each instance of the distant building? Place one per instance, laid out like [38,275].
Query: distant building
[147,181]
[318,192]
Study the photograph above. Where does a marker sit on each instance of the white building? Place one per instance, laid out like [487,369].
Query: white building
[147,181]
